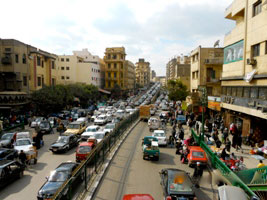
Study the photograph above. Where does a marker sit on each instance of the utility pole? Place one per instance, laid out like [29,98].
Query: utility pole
[204,104]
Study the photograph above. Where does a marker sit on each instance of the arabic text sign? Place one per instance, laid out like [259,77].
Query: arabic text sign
[234,52]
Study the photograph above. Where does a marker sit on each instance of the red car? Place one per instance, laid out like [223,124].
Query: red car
[137,197]
[196,154]
[84,149]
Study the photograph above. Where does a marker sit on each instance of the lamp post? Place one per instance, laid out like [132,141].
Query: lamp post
[204,104]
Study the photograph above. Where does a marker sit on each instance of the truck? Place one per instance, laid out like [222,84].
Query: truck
[144,112]
[150,148]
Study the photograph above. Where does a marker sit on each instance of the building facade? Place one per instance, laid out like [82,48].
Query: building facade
[171,69]
[244,77]
[130,75]
[183,70]
[142,72]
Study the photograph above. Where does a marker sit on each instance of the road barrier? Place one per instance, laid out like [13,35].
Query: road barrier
[218,164]
[91,166]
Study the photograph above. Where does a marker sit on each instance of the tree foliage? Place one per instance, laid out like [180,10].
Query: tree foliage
[116,92]
[177,90]
[55,98]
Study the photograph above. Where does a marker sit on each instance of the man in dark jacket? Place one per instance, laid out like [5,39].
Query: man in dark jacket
[198,172]
[22,157]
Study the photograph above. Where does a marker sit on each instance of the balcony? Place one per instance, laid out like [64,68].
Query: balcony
[210,80]
[6,60]
[112,78]
[214,61]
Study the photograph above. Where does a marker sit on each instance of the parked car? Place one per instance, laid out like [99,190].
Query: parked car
[64,143]
[56,179]
[77,127]
[176,184]
[161,136]
[89,132]
[10,171]
[44,127]
[101,120]
[85,148]
[196,154]
[6,139]
[37,121]
[24,142]
[109,128]
[154,123]
[99,136]
[8,154]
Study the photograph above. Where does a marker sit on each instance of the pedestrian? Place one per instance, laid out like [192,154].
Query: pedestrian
[224,154]
[228,144]
[234,140]
[224,135]
[198,172]
[23,157]
[180,131]
[260,165]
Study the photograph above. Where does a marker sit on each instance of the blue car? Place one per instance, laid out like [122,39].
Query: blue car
[181,119]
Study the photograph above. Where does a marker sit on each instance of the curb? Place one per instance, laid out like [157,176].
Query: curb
[106,164]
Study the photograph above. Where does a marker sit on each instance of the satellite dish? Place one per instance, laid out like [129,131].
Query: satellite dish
[216,44]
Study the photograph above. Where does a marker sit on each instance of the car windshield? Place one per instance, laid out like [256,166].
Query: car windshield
[159,134]
[101,118]
[74,126]
[23,142]
[38,119]
[99,136]
[62,139]
[110,126]
[84,149]
[91,130]
[179,182]
[7,136]
[198,154]
[58,176]
[44,125]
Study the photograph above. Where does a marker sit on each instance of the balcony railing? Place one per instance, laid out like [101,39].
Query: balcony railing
[214,61]
[213,80]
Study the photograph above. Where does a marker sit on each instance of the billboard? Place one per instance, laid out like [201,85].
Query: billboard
[233,52]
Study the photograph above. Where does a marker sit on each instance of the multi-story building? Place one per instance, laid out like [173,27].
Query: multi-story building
[142,72]
[23,69]
[171,69]
[244,76]
[206,70]
[81,67]
[183,70]
[130,75]
[153,75]
[115,72]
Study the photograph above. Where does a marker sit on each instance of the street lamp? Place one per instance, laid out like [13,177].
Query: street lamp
[204,104]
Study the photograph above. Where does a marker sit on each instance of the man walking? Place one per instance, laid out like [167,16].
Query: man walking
[198,172]
[22,157]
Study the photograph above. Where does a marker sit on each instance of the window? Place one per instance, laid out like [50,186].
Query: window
[67,77]
[114,56]
[246,92]
[42,80]
[24,59]
[24,80]
[121,56]
[240,91]
[224,90]
[121,66]
[7,49]
[109,74]
[53,64]
[263,93]
[109,65]
[39,81]
[17,58]
[67,68]
[115,65]
[42,63]
[108,56]
[234,91]
[62,77]
[53,81]
[254,92]
[121,75]
[109,84]
[62,68]
[67,59]
[209,91]
[257,8]
[255,50]
[115,75]
[229,91]
[62,59]
[121,84]
[38,61]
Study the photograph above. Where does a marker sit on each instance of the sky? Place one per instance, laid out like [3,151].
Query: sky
[156,30]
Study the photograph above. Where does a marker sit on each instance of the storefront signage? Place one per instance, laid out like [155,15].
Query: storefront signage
[234,52]
[214,105]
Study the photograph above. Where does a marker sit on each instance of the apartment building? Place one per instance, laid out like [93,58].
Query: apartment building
[81,67]
[142,72]
[171,69]
[130,79]
[183,70]
[206,70]
[244,76]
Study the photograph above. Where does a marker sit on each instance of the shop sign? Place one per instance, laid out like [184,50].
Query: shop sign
[214,105]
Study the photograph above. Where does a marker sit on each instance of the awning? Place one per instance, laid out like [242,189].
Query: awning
[104,91]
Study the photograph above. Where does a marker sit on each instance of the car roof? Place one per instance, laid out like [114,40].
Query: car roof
[196,148]
[4,163]
[92,126]
[65,166]
[137,197]
[159,131]
[77,122]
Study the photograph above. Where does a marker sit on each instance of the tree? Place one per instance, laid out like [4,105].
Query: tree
[177,90]
[116,91]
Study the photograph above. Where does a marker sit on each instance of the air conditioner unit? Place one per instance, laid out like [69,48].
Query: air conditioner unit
[251,62]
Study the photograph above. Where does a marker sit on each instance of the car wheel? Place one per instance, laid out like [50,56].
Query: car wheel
[144,157]
[157,158]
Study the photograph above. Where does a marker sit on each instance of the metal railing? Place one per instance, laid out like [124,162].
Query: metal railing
[218,164]
[14,127]
[91,166]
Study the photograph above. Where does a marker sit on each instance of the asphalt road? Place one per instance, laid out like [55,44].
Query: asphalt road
[27,187]
[128,173]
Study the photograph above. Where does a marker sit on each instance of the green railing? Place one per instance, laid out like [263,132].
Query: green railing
[225,171]
[15,127]
[91,166]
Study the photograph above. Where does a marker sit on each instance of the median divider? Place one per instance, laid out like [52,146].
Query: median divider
[95,161]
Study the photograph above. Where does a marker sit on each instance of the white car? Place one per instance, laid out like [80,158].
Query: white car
[120,114]
[161,136]
[99,136]
[128,109]
[109,128]
[101,120]
[109,108]
[89,132]
[37,122]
